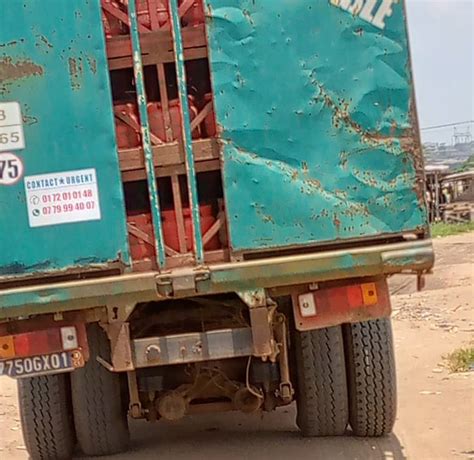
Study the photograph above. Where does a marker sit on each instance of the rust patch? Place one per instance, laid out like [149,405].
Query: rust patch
[411,143]
[12,43]
[11,70]
[43,43]
[341,115]
[76,70]
[92,65]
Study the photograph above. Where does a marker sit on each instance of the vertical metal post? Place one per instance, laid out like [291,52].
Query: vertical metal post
[145,128]
[186,129]
[437,213]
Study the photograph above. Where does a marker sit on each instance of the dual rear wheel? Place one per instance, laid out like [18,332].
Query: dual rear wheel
[85,407]
[346,377]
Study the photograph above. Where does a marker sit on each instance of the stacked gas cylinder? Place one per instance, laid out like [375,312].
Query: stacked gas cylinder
[153,15]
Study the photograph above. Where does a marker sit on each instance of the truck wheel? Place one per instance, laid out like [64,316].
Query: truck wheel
[99,413]
[46,417]
[371,375]
[321,397]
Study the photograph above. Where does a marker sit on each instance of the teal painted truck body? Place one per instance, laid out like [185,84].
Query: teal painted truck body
[54,66]
[315,107]
[317,132]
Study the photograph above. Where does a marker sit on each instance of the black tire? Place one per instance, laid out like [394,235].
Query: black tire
[46,417]
[99,413]
[321,395]
[371,375]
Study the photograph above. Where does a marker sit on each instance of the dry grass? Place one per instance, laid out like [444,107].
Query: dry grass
[442,229]
[461,360]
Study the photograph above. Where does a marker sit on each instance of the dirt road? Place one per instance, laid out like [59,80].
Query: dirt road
[436,409]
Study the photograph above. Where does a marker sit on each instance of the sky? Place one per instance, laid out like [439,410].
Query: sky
[442,47]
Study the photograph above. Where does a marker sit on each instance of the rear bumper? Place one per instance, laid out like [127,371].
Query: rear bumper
[416,256]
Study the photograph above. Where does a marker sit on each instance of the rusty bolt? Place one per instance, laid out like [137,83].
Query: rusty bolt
[197,348]
[183,351]
[153,353]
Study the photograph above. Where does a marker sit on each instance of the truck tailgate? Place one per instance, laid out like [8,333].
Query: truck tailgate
[257,130]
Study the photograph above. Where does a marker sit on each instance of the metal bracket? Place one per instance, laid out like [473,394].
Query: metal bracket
[185,283]
[285,391]
[254,298]
[261,317]
[119,312]
[121,346]
[182,283]
[136,410]
[420,281]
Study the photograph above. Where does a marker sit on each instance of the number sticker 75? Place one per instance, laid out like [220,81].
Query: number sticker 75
[11,169]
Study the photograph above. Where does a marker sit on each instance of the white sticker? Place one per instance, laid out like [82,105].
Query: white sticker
[369,10]
[11,169]
[11,127]
[62,198]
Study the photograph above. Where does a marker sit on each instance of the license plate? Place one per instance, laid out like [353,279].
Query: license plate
[41,365]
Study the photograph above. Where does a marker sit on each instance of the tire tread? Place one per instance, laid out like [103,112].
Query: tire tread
[322,389]
[46,417]
[371,375]
[101,422]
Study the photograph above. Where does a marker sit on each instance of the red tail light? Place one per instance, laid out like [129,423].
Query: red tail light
[43,342]
[334,305]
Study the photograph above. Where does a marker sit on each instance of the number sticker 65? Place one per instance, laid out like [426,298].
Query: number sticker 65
[11,169]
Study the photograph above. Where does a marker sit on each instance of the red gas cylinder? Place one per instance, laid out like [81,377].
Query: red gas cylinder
[157,124]
[210,120]
[141,249]
[170,228]
[127,137]
[143,13]
[112,25]
[195,15]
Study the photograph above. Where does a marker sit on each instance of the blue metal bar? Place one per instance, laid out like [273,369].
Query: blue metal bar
[186,128]
[145,127]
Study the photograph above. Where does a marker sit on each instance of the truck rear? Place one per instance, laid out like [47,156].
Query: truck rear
[201,203]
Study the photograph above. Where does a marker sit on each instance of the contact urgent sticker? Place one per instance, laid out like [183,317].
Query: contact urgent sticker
[62,198]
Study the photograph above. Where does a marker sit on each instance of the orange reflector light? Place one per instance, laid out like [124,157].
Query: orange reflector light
[369,293]
[7,347]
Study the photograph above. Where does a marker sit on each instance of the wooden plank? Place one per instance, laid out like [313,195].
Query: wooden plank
[156,58]
[201,116]
[210,257]
[178,209]
[166,171]
[121,16]
[156,42]
[169,154]
[160,68]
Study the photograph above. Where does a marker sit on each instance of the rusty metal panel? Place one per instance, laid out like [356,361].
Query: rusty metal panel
[314,103]
[60,190]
